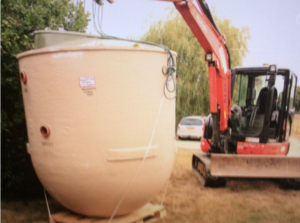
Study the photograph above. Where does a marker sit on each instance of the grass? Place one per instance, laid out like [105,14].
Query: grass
[27,211]
[242,200]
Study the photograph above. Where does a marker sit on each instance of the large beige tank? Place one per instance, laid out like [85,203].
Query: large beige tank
[94,109]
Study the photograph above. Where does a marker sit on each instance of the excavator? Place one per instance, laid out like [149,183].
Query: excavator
[251,111]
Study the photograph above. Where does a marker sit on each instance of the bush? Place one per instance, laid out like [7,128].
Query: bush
[19,19]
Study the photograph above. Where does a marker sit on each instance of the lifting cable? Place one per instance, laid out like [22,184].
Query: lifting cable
[76,9]
[170,77]
[171,69]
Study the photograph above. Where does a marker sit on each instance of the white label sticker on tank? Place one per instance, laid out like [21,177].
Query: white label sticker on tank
[87,82]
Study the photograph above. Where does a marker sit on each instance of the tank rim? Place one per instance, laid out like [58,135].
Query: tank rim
[89,48]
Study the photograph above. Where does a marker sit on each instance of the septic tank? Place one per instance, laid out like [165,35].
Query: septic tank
[100,128]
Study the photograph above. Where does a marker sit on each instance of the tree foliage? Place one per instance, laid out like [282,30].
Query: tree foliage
[193,94]
[297,100]
[19,19]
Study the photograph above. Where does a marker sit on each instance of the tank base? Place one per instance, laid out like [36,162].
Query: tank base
[147,213]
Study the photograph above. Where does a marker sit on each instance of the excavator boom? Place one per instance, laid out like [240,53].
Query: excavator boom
[198,17]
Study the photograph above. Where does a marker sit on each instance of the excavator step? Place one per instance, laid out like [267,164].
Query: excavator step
[256,166]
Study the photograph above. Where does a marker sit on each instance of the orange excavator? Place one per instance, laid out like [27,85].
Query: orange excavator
[252,108]
[250,138]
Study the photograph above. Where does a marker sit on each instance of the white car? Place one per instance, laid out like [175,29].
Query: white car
[190,127]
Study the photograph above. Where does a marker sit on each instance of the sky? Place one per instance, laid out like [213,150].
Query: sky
[274,25]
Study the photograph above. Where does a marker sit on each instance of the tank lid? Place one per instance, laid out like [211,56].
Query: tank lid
[71,33]
[56,41]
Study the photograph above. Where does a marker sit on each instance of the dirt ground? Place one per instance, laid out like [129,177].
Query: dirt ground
[242,200]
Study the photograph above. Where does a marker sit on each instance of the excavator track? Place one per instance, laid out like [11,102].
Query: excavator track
[201,167]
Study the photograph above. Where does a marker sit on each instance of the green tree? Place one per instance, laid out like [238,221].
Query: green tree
[19,19]
[297,100]
[193,95]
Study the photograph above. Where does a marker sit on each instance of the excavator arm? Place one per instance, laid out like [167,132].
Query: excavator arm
[198,17]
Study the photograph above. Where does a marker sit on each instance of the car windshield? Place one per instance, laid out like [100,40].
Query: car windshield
[191,121]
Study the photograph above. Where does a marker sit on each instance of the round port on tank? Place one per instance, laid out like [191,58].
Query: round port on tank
[45,131]
[23,77]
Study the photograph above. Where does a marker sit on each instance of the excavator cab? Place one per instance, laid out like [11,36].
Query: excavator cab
[257,112]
